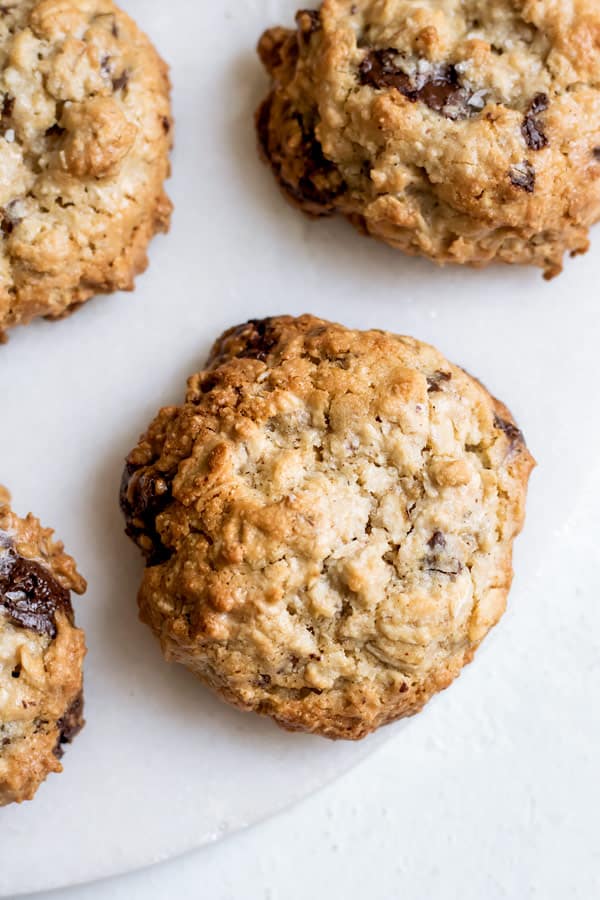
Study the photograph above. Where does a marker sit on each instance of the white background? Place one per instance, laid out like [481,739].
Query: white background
[493,791]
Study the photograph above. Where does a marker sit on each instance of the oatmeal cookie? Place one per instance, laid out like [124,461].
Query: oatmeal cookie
[467,132]
[327,522]
[85,131]
[41,654]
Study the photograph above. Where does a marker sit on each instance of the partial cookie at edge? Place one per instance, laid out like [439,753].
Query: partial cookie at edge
[85,133]
[467,136]
[41,654]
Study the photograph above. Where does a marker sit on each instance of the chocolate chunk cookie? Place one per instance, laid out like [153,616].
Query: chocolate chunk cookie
[85,131]
[327,522]
[465,132]
[41,654]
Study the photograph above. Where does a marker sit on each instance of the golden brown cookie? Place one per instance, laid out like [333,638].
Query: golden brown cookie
[85,131]
[465,132]
[327,521]
[41,654]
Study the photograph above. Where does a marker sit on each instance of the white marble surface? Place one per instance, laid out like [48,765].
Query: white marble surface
[494,791]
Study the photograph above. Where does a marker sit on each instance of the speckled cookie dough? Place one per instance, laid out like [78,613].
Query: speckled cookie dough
[41,654]
[85,132]
[467,131]
[327,521]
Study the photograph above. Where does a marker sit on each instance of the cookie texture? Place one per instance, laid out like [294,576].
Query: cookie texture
[466,132]
[85,131]
[41,654]
[327,521]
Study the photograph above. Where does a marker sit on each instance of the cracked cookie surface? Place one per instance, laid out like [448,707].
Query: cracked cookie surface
[460,130]
[41,654]
[327,521]
[85,132]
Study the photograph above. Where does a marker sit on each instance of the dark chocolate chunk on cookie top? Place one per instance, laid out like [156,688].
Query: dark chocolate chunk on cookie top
[523,176]
[29,594]
[144,494]
[533,128]
[308,21]
[438,87]
[70,725]
[512,432]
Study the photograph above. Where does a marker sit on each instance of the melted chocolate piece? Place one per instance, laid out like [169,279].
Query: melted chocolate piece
[6,224]
[121,81]
[304,186]
[316,168]
[105,65]
[308,21]
[532,128]
[70,725]
[439,89]
[523,176]
[259,339]
[55,130]
[435,381]
[8,219]
[8,104]
[596,153]
[30,595]
[514,434]
[437,541]
[539,104]
[144,495]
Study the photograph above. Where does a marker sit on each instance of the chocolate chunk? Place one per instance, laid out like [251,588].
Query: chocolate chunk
[55,131]
[6,224]
[596,153]
[105,65]
[523,176]
[259,339]
[532,128]
[145,493]
[379,70]
[439,88]
[30,595]
[8,105]
[8,217]
[70,725]
[435,381]
[539,104]
[308,178]
[121,81]
[437,541]
[166,124]
[264,680]
[308,21]
[514,434]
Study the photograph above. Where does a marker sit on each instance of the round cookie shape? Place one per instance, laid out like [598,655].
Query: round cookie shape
[41,654]
[327,522]
[85,133]
[464,132]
